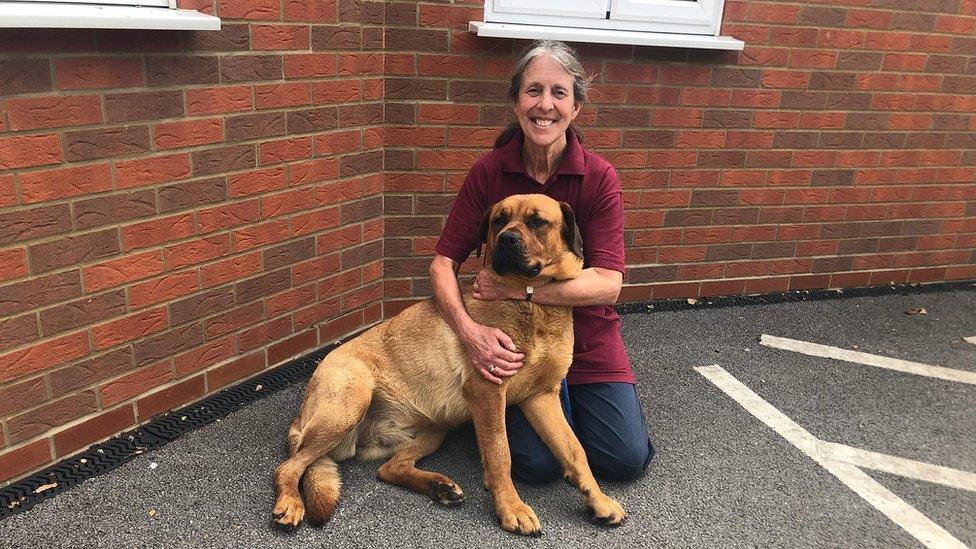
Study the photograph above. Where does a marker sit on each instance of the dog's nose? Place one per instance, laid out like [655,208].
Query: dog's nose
[508,238]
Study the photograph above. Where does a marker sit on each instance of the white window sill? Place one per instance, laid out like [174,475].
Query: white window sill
[92,16]
[601,36]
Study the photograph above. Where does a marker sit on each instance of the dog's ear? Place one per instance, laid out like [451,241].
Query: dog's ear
[571,233]
[482,233]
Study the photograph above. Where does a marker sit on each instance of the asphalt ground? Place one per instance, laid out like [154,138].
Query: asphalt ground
[721,477]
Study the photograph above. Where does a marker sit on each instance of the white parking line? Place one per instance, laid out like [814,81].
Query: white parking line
[971,339]
[901,513]
[857,357]
[918,470]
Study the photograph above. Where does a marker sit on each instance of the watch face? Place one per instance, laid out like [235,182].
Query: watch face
[529,289]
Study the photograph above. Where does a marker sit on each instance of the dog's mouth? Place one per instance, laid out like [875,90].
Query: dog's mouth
[511,261]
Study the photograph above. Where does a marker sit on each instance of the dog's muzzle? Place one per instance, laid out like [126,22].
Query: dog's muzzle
[508,257]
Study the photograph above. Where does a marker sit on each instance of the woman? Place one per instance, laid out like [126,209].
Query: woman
[541,153]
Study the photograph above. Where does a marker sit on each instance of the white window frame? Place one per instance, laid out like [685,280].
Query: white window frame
[103,14]
[678,23]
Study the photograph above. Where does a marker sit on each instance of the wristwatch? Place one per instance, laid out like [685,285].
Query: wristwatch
[528,293]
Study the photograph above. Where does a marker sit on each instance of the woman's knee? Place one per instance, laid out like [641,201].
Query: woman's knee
[626,462]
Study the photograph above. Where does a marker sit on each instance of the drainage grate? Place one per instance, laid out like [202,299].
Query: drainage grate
[106,456]
[112,453]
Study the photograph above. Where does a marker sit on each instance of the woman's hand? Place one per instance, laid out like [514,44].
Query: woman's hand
[487,288]
[492,352]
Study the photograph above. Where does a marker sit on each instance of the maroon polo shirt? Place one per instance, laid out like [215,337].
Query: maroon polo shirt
[590,185]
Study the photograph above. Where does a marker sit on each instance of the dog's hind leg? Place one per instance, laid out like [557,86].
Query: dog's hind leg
[335,402]
[401,470]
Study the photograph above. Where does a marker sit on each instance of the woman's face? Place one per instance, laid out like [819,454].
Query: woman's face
[545,104]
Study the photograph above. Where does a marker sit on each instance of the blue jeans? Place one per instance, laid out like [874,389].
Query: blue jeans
[608,421]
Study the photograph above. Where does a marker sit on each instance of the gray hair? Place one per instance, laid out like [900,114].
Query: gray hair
[567,59]
[560,53]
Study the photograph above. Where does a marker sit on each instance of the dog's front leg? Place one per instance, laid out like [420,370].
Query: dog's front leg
[546,417]
[487,402]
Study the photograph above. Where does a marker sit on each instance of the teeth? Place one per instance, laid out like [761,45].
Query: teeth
[543,123]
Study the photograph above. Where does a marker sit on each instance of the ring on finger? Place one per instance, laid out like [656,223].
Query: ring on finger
[491,369]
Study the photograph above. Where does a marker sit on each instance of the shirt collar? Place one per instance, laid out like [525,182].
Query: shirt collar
[572,163]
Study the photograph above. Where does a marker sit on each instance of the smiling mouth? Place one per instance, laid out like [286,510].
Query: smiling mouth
[542,122]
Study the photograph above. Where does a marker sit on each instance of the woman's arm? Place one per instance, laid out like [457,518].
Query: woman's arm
[487,346]
[594,286]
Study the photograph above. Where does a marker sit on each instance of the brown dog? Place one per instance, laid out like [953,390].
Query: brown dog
[395,390]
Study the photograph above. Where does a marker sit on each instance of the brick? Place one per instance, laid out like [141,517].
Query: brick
[42,356]
[16,462]
[166,344]
[29,150]
[173,135]
[311,65]
[229,215]
[24,76]
[129,328]
[203,101]
[122,270]
[16,331]
[151,171]
[263,285]
[182,70]
[63,183]
[233,320]
[285,150]
[249,9]
[235,370]
[135,383]
[129,107]
[190,194]
[90,371]
[113,209]
[170,398]
[98,72]
[292,346]
[82,312]
[313,120]
[51,415]
[91,144]
[288,94]
[244,68]
[260,235]
[22,396]
[93,430]
[204,356]
[234,268]
[197,251]
[279,37]
[51,112]
[288,253]
[73,250]
[223,159]
[316,11]
[158,231]
[162,289]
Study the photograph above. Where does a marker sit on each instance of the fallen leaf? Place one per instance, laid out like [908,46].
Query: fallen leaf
[916,311]
[692,301]
[258,387]
[152,512]
[45,488]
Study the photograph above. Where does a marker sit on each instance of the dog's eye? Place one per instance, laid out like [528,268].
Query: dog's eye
[499,221]
[537,222]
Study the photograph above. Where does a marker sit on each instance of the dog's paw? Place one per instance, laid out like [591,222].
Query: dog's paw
[519,518]
[288,513]
[446,493]
[606,511]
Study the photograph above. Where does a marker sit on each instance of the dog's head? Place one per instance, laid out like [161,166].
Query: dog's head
[532,236]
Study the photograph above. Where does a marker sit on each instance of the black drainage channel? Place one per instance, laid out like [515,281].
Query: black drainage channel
[102,458]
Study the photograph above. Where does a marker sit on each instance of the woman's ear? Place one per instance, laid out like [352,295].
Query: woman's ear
[571,233]
[482,237]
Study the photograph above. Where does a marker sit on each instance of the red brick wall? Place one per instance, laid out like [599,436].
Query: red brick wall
[179,211]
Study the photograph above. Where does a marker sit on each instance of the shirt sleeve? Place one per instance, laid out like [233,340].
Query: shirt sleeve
[603,234]
[459,237]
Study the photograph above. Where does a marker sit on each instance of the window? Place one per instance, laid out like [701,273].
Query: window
[103,14]
[683,23]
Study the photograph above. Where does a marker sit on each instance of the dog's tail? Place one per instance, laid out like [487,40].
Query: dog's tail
[321,487]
